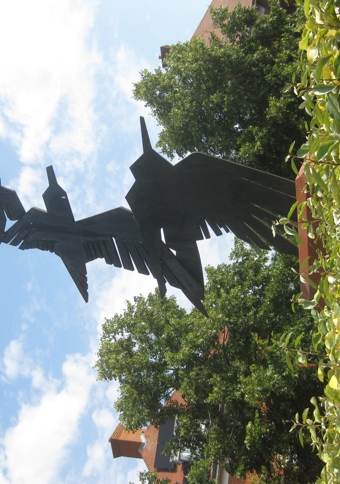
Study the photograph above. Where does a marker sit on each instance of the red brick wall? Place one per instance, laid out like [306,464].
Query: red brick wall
[205,27]
[125,443]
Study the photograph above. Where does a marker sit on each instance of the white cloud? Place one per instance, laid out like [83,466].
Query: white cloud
[100,467]
[47,88]
[124,70]
[216,250]
[103,418]
[42,57]
[96,459]
[44,430]
[15,362]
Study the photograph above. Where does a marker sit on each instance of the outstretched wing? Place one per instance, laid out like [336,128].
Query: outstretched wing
[35,230]
[203,191]
[115,237]
[233,197]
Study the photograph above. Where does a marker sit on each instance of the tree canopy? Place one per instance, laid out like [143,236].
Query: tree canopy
[231,98]
[240,395]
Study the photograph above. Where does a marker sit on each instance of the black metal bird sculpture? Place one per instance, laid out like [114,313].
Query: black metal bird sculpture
[181,200]
[201,191]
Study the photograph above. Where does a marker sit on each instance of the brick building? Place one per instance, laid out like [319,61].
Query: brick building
[148,444]
[205,27]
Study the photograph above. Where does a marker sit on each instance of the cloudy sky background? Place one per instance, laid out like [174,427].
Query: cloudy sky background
[67,69]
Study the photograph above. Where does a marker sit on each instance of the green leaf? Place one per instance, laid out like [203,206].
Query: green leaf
[334,383]
[303,44]
[287,339]
[332,394]
[312,53]
[289,362]
[292,209]
[335,189]
[300,433]
[317,176]
[301,209]
[291,147]
[289,230]
[321,374]
[337,66]
[303,151]
[319,115]
[320,65]
[294,167]
[307,304]
[333,106]
[298,339]
[323,150]
[306,7]
[315,145]
[305,415]
[316,340]
[323,88]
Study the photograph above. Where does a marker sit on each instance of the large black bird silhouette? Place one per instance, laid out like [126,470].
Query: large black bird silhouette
[180,201]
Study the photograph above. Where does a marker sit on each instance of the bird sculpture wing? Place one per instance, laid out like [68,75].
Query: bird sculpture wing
[201,191]
[232,197]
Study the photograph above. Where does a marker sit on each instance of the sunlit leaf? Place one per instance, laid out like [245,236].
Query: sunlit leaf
[334,383]
[324,88]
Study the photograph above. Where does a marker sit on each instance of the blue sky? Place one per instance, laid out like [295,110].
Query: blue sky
[67,69]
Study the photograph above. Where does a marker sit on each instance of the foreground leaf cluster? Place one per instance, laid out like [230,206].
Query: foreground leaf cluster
[319,89]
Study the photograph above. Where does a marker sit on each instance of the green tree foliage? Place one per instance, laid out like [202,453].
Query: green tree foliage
[151,478]
[240,395]
[230,98]
[200,472]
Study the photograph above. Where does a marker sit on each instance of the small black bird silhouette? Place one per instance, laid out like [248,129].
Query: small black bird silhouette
[179,201]
[113,236]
